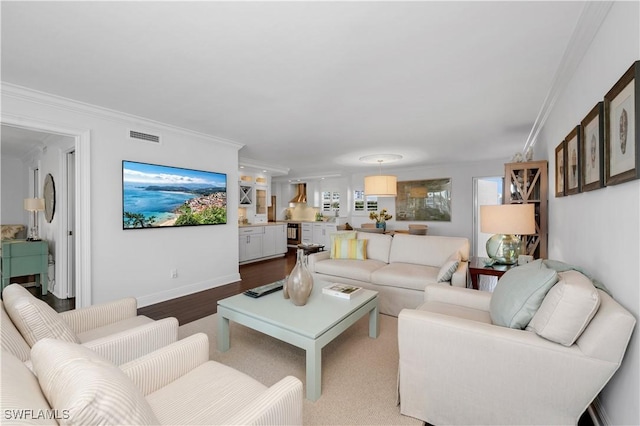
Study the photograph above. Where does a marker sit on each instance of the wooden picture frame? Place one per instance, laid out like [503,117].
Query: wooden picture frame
[573,162]
[561,170]
[622,120]
[592,148]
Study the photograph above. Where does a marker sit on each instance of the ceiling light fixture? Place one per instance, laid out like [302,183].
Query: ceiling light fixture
[380,185]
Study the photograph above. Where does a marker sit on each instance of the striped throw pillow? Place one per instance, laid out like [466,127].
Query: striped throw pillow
[350,249]
[340,236]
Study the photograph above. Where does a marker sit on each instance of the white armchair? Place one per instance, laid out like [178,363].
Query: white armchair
[456,367]
[112,329]
[174,385]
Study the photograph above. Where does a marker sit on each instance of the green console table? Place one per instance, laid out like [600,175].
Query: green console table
[21,257]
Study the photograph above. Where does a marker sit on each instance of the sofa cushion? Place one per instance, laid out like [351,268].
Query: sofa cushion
[405,275]
[33,317]
[12,340]
[93,390]
[427,250]
[360,271]
[378,245]
[349,249]
[567,309]
[449,267]
[21,394]
[337,236]
[519,293]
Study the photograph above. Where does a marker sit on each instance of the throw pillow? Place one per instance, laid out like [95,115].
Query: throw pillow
[351,235]
[89,389]
[350,249]
[33,317]
[449,267]
[567,309]
[519,294]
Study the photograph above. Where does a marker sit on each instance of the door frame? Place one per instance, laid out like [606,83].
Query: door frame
[82,147]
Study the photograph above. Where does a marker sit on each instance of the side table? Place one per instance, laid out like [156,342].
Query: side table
[311,248]
[21,257]
[477,267]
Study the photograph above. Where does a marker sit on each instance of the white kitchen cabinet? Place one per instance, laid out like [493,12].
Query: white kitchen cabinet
[321,233]
[258,242]
[307,233]
[274,241]
[250,243]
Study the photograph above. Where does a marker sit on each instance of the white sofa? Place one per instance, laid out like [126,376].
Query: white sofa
[458,368]
[113,329]
[398,267]
[177,384]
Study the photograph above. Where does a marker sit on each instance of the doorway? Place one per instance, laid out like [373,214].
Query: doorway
[73,255]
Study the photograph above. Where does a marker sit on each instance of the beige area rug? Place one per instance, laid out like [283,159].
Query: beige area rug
[359,374]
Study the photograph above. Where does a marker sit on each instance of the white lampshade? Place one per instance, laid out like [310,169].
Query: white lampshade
[380,186]
[34,204]
[511,219]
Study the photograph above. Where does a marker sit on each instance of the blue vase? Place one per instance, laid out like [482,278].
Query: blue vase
[381,225]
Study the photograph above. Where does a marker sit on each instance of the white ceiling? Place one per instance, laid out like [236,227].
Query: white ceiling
[310,86]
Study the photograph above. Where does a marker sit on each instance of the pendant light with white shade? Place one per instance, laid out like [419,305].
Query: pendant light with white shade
[380,185]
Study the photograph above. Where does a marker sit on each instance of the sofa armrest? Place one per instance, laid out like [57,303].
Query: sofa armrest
[128,345]
[466,297]
[281,404]
[161,367]
[84,319]
[442,355]
[459,278]
[316,257]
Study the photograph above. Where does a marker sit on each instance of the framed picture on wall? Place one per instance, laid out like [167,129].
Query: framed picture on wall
[622,119]
[561,173]
[592,148]
[573,161]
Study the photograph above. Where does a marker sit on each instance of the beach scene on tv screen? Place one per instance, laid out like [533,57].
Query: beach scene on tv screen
[162,196]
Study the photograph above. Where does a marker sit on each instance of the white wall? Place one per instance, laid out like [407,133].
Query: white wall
[15,181]
[137,262]
[600,230]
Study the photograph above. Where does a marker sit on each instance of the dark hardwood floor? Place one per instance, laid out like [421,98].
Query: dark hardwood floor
[198,305]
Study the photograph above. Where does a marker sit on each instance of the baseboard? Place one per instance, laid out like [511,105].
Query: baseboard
[163,296]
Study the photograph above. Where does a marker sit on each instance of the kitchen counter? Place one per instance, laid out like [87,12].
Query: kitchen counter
[249,225]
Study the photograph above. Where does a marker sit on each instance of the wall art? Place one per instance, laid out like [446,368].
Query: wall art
[622,120]
[561,173]
[428,200]
[592,148]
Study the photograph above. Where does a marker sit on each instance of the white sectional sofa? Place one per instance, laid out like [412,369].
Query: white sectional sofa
[399,267]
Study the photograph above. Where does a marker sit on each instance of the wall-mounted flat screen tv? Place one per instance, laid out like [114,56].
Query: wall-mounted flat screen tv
[156,196]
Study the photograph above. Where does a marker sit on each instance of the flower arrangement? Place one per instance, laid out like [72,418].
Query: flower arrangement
[379,218]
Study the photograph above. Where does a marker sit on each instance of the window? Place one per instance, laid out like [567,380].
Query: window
[363,204]
[330,201]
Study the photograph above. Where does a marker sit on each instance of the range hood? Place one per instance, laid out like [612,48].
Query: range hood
[301,194]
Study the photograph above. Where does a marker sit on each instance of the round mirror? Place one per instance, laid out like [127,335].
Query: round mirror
[49,194]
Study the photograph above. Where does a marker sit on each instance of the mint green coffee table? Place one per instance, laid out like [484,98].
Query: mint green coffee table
[310,327]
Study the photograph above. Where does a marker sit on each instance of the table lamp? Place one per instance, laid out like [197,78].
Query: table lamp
[507,222]
[34,205]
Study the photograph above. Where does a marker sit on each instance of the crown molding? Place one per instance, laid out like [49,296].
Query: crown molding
[9,90]
[588,25]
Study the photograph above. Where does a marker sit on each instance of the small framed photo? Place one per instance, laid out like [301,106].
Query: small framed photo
[572,162]
[561,172]
[592,148]
[622,119]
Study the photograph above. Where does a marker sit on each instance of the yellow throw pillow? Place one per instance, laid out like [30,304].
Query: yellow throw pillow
[339,236]
[350,249]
